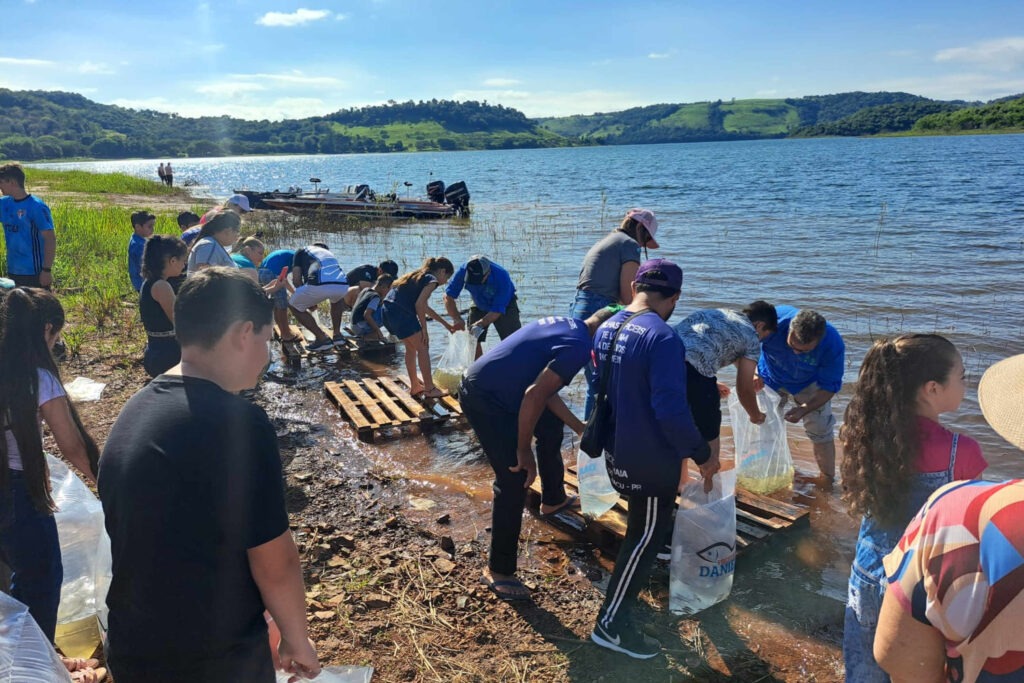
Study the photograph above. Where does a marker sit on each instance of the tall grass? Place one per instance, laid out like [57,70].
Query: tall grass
[47,180]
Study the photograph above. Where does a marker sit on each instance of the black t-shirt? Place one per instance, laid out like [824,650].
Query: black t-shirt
[190,478]
[364,273]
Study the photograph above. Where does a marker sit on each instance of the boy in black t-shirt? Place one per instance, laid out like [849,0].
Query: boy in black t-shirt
[191,485]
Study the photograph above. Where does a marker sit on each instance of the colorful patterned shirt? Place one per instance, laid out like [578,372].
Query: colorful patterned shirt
[717,337]
[960,569]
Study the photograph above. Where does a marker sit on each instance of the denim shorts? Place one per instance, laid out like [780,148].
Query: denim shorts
[280,297]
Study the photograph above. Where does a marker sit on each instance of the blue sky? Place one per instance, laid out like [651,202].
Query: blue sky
[287,59]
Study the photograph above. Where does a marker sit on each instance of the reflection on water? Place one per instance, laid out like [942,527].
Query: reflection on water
[882,236]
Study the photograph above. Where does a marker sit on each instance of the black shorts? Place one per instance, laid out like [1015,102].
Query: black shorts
[505,325]
[27,281]
[705,403]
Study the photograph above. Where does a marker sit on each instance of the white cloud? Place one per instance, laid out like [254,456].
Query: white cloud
[297,18]
[295,78]
[501,82]
[99,68]
[661,55]
[19,61]
[1002,54]
[229,88]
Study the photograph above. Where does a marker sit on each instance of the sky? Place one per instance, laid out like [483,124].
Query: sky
[274,59]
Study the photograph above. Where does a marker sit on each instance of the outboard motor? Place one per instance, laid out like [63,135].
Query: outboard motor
[435,191]
[457,195]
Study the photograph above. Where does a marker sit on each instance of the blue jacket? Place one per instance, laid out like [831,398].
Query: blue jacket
[781,366]
[653,429]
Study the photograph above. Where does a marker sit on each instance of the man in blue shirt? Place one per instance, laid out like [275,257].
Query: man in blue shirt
[805,359]
[494,299]
[510,396]
[143,224]
[269,270]
[28,231]
[651,432]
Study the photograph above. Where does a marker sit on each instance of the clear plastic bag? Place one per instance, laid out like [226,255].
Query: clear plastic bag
[26,655]
[703,545]
[337,674]
[597,496]
[84,546]
[457,358]
[763,461]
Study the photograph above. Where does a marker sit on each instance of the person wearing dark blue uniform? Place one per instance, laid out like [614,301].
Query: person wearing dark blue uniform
[805,358]
[494,299]
[510,397]
[651,431]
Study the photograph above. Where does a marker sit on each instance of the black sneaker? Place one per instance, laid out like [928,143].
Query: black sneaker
[665,554]
[325,345]
[636,644]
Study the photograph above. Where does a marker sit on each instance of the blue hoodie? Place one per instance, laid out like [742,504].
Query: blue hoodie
[652,427]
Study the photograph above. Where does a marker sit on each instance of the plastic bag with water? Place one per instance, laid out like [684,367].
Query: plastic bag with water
[763,461]
[337,674]
[84,546]
[26,655]
[703,545]
[597,495]
[457,358]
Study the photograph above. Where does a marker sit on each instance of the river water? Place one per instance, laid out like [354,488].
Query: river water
[882,236]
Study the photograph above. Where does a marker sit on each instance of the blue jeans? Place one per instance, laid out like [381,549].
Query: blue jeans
[585,305]
[30,547]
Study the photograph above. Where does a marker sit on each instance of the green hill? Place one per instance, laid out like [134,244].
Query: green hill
[53,125]
[1002,115]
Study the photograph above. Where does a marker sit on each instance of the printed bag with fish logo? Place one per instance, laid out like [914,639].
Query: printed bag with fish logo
[703,545]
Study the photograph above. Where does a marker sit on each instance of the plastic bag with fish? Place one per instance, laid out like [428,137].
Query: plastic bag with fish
[457,358]
[763,461]
[703,545]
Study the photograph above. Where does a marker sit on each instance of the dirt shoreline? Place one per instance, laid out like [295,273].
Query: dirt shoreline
[390,590]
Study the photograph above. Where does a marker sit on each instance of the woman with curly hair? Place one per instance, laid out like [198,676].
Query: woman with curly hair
[31,392]
[896,455]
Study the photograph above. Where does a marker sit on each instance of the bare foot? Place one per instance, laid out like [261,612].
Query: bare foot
[433,392]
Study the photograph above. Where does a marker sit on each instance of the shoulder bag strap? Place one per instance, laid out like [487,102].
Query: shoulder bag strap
[605,372]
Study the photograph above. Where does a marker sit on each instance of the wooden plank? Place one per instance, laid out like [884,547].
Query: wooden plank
[786,511]
[378,415]
[389,404]
[751,530]
[337,394]
[771,522]
[403,396]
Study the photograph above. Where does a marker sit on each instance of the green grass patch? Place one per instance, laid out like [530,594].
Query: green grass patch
[692,116]
[97,183]
[765,117]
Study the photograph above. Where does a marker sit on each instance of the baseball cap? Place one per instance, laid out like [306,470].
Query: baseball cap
[645,217]
[477,269]
[1001,395]
[140,217]
[660,272]
[186,219]
[241,201]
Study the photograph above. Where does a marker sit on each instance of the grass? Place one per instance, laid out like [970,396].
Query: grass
[90,270]
[424,136]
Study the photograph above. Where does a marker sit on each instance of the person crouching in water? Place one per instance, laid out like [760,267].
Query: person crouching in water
[366,312]
[651,431]
[510,397]
[163,259]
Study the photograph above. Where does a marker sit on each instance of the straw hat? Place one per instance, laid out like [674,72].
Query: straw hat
[1001,394]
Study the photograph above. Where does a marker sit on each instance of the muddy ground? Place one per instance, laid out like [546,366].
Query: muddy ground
[390,588]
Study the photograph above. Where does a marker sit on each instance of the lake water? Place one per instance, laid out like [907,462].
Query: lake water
[882,236]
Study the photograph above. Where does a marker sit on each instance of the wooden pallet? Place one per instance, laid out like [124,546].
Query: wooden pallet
[379,407]
[758,518]
[294,352]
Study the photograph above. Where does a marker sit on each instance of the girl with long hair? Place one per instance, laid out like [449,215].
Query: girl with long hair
[896,455]
[162,259]
[405,315]
[212,242]
[30,391]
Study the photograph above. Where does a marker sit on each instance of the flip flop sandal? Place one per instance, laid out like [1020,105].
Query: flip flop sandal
[571,503]
[496,586]
[434,393]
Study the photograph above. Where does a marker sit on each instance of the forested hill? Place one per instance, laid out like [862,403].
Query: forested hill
[54,125]
[748,119]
